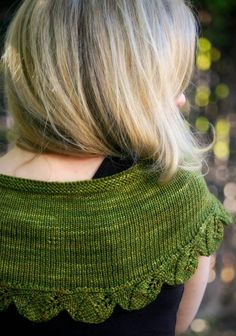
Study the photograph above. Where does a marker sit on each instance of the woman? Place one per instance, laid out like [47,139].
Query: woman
[107,225]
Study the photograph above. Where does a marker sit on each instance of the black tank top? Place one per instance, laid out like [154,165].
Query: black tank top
[156,319]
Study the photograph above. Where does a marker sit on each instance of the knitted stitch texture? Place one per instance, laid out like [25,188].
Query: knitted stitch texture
[86,246]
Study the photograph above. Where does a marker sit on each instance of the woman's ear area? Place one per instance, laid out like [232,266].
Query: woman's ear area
[181,100]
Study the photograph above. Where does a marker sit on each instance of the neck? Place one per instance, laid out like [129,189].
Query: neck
[23,163]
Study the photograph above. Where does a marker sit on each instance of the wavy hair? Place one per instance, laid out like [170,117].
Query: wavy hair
[90,78]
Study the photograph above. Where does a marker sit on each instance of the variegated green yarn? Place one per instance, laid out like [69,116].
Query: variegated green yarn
[86,246]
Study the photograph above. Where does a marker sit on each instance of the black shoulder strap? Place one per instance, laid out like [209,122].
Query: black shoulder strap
[112,165]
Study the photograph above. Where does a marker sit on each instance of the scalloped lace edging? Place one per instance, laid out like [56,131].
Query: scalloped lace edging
[96,307]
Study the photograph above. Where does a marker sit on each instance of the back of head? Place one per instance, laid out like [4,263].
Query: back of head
[87,77]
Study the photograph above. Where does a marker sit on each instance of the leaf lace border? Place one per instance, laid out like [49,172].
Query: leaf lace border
[96,307]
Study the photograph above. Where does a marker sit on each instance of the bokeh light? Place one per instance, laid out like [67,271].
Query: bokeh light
[230,190]
[227,274]
[230,205]
[222,128]
[205,17]
[203,61]
[214,104]
[212,276]
[221,173]
[215,54]
[202,96]
[204,56]
[222,91]
[204,45]
[202,124]
[199,325]
[221,150]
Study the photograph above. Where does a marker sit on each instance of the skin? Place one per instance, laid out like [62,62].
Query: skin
[194,290]
[181,100]
[48,167]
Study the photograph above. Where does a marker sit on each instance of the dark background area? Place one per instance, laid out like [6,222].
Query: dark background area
[212,97]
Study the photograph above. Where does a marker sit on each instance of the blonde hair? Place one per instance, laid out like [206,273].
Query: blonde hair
[89,78]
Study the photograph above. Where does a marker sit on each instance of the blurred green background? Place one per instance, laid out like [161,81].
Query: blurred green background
[212,102]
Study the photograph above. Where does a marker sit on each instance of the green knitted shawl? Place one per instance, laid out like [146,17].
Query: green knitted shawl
[86,246]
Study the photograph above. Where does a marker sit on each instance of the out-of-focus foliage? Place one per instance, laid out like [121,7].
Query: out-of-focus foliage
[213,99]
[217,18]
